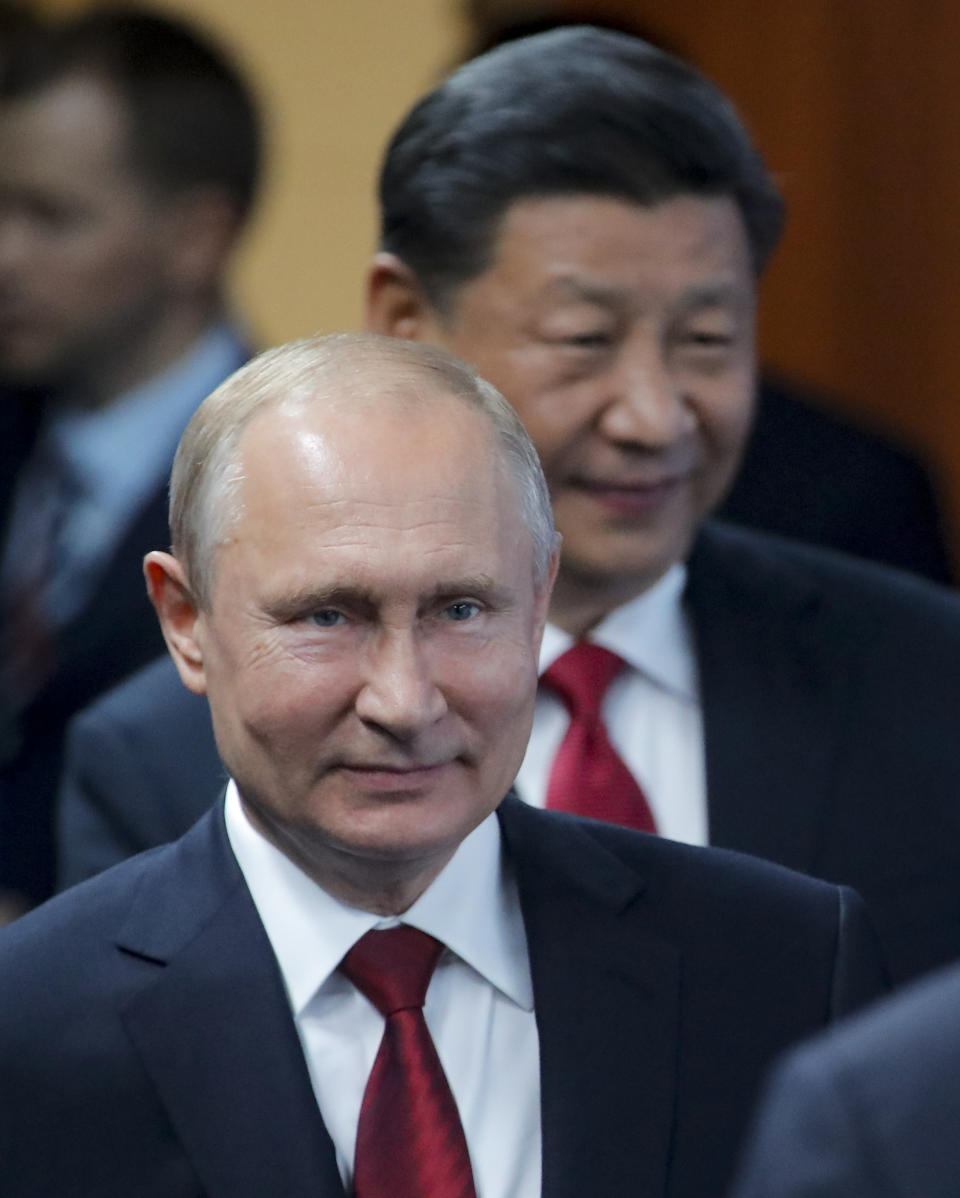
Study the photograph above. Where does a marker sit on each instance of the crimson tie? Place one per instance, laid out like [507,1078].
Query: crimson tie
[588,776]
[410,1141]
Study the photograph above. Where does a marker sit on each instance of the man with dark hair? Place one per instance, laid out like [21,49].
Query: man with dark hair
[367,971]
[583,218]
[129,156]
[807,472]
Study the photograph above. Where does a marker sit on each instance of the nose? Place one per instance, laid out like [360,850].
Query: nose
[647,406]
[399,694]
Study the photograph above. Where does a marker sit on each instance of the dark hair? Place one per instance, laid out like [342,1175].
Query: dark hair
[192,118]
[573,111]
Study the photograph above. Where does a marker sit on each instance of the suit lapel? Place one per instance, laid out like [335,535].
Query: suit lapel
[214,1031]
[606,992]
[772,697]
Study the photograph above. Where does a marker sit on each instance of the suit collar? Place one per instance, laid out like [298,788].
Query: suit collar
[773,698]
[209,1013]
[606,995]
[471,907]
[649,632]
[212,1025]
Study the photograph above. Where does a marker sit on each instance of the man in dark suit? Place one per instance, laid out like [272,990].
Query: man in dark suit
[363,550]
[583,218]
[870,1111]
[128,164]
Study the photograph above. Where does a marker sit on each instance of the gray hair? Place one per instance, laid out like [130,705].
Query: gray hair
[205,484]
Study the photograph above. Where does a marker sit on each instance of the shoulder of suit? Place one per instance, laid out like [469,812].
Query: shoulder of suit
[921,1021]
[153,693]
[717,875]
[898,1059]
[759,564]
[86,917]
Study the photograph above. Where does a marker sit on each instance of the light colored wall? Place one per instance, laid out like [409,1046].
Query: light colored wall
[334,75]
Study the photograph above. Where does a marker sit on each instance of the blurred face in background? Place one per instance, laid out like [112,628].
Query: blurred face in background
[84,244]
[624,337]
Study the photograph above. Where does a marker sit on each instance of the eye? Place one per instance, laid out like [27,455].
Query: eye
[461,611]
[707,337]
[327,617]
[594,339]
[709,340]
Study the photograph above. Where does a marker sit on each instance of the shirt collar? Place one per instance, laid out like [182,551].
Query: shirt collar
[152,416]
[651,633]
[472,906]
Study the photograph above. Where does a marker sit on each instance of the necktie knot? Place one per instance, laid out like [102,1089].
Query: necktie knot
[581,677]
[410,1141]
[393,967]
[588,776]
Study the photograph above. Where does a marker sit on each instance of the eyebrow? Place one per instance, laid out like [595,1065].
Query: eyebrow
[719,294]
[569,286]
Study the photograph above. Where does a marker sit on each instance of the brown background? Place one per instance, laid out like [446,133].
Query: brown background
[855,103]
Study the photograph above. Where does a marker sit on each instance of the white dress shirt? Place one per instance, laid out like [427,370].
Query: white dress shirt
[479,1005]
[652,710]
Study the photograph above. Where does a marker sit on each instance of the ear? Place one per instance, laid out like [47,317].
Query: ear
[204,226]
[542,597]
[178,615]
[395,301]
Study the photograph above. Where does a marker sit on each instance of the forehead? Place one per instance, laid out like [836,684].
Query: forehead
[74,130]
[563,246]
[393,461]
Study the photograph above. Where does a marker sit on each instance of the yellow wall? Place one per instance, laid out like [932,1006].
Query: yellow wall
[334,75]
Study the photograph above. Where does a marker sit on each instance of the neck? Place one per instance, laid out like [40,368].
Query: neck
[153,352]
[383,886]
[579,603]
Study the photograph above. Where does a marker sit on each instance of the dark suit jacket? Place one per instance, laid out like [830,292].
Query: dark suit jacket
[872,1111]
[114,634]
[147,1047]
[809,474]
[117,632]
[829,694]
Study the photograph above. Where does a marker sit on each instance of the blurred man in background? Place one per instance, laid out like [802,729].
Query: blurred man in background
[129,153]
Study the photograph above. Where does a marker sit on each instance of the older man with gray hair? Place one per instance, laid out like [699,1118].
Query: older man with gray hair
[367,971]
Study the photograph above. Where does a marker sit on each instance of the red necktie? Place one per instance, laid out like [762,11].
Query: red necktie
[588,777]
[410,1141]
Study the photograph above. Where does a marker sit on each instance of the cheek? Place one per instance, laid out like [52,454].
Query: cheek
[256,690]
[295,702]
[726,413]
[559,421]
[496,689]
[125,258]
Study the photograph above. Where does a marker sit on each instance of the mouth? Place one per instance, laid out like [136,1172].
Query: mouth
[632,496]
[392,779]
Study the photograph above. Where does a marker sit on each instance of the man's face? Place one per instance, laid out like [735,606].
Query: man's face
[82,243]
[370,653]
[623,336]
